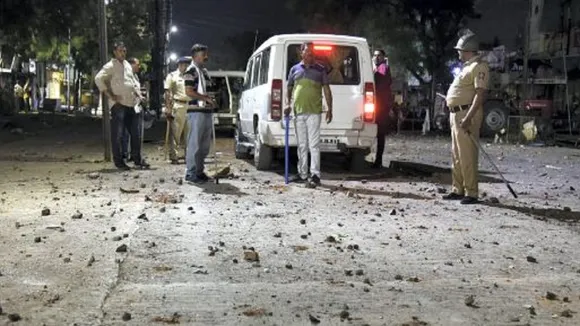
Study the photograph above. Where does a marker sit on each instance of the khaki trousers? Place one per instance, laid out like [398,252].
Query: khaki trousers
[465,154]
[180,128]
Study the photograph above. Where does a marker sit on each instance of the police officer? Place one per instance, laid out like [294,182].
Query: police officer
[176,101]
[199,115]
[465,102]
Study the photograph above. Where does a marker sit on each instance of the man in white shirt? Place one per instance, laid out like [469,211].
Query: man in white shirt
[117,81]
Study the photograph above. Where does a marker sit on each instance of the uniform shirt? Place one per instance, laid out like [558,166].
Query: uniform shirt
[307,82]
[176,84]
[118,77]
[196,78]
[473,75]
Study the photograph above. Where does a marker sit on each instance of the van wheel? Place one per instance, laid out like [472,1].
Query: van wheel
[240,151]
[495,118]
[263,155]
[357,161]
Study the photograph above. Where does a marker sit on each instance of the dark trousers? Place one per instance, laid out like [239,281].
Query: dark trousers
[125,118]
[382,130]
[127,138]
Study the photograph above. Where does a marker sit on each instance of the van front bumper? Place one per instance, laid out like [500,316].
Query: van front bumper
[331,140]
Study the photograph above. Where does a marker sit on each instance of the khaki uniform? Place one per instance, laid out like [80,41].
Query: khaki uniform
[475,74]
[176,85]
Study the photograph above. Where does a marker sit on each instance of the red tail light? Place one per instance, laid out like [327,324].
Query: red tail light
[369,104]
[323,48]
[276,100]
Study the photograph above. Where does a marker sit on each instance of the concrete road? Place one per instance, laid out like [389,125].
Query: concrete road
[82,244]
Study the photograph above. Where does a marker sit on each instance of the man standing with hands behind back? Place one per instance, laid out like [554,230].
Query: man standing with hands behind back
[199,114]
[306,82]
[176,102]
[465,101]
[117,81]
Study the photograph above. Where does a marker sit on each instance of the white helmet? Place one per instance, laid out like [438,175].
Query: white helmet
[468,42]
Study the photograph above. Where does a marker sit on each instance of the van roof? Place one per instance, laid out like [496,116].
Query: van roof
[223,73]
[283,38]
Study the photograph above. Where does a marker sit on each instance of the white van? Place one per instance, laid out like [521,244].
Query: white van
[260,128]
[226,87]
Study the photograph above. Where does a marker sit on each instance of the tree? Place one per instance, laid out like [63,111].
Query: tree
[243,45]
[418,34]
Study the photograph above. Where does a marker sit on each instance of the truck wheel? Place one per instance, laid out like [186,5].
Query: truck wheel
[495,118]
[263,155]
[240,151]
[357,161]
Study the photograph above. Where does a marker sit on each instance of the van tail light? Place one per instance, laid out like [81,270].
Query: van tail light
[276,100]
[369,104]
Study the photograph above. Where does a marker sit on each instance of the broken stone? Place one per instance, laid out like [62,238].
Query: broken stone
[567,209]
[494,200]
[14,317]
[77,216]
[94,175]
[531,259]
[162,209]
[122,248]
[344,314]
[393,212]
[302,221]
[414,279]
[278,235]
[567,313]
[470,300]
[126,316]
[45,212]
[117,238]
[330,239]
[289,266]
[251,256]
[143,216]
[467,245]
[37,239]
[91,261]
[313,319]
[399,277]
[551,296]
[360,272]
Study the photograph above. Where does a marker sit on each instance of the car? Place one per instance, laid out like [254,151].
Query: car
[260,126]
[225,87]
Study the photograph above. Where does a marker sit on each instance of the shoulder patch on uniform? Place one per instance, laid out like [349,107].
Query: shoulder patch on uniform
[190,75]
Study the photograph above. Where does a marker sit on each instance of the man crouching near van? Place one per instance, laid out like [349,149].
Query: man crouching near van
[306,82]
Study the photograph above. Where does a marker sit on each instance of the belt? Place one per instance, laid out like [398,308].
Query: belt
[457,108]
[181,101]
[200,110]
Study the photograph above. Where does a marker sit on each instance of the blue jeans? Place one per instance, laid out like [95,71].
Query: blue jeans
[198,142]
[124,118]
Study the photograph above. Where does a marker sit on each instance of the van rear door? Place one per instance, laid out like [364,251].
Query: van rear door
[345,73]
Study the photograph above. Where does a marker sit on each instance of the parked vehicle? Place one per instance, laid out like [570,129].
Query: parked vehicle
[260,129]
[225,87]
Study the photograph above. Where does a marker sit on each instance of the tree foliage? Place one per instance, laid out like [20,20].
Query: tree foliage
[417,34]
[243,45]
[40,29]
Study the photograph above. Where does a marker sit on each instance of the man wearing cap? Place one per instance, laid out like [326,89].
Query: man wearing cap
[465,102]
[176,103]
[199,115]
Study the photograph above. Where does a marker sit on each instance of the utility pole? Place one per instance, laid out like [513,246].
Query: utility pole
[527,50]
[68,59]
[158,26]
[103,58]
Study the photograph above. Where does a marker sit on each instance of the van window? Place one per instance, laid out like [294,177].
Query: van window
[256,70]
[341,62]
[264,67]
[248,76]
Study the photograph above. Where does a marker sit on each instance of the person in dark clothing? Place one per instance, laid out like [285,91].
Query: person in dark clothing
[384,102]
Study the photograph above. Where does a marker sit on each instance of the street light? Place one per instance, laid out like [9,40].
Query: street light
[173,29]
[173,56]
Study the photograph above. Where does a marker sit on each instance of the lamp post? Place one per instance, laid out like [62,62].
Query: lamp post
[103,54]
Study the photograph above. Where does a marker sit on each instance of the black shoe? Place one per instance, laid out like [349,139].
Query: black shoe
[453,196]
[143,165]
[297,179]
[313,182]
[123,167]
[203,177]
[377,165]
[469,200]
[194,180]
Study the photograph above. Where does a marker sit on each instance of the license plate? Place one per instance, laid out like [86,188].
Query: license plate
[329,141]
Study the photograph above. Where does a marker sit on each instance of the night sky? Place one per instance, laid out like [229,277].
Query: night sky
[212,21]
